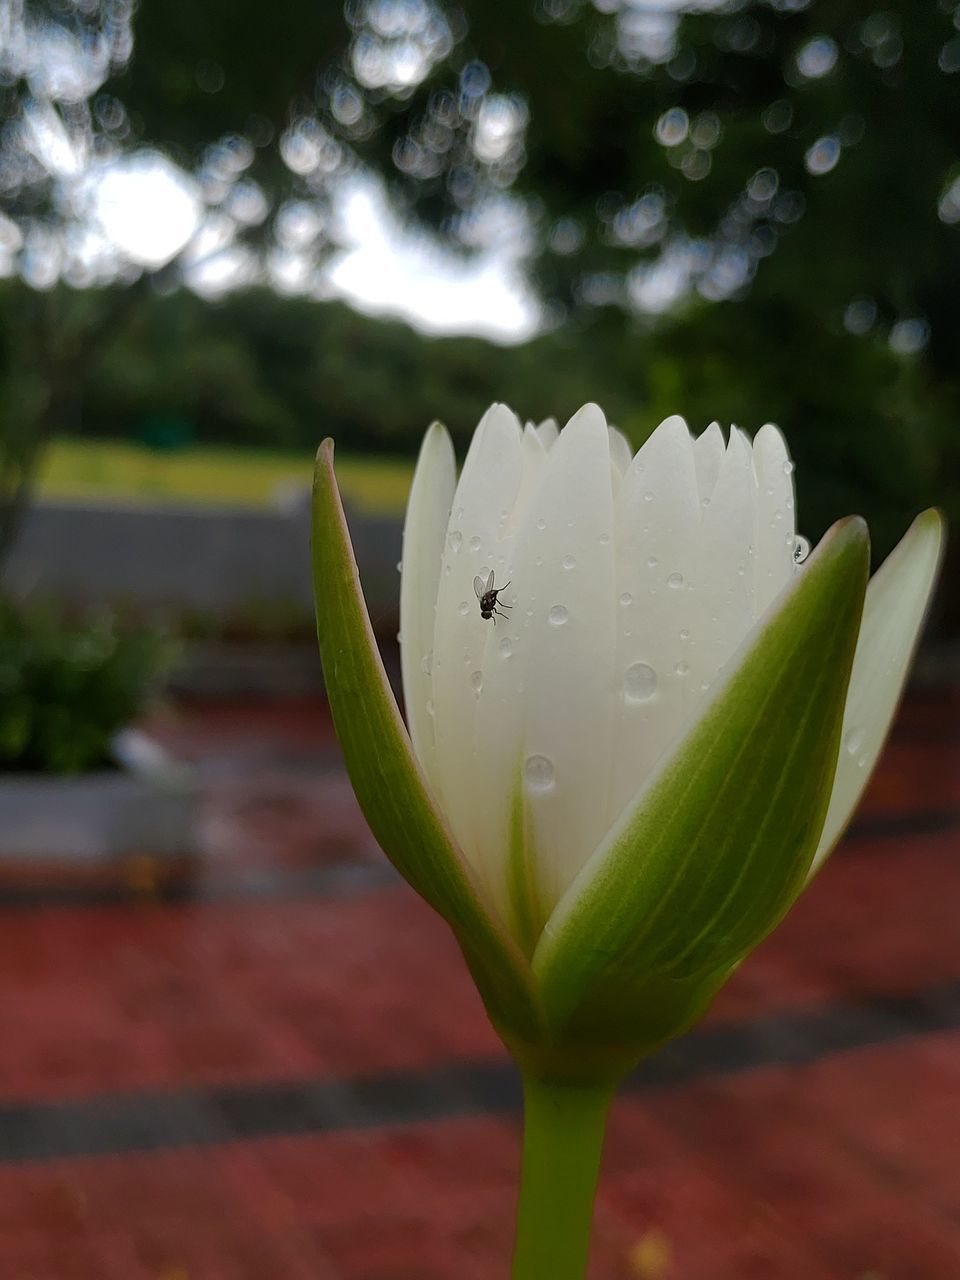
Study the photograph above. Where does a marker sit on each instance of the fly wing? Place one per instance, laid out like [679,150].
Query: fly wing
[478,586]
[489,586]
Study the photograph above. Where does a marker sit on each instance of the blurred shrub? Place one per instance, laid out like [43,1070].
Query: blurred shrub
[66,687]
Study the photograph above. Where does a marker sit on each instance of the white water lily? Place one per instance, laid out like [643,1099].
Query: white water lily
[616,784]
[635,585]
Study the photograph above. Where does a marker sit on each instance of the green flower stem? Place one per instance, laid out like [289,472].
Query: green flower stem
[562,1139]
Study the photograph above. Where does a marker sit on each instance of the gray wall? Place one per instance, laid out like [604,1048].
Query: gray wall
[213,560]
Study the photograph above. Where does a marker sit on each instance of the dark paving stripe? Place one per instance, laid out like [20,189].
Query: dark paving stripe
[116,1124]
[344,879]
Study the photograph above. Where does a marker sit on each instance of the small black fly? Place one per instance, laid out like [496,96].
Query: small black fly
[487,595]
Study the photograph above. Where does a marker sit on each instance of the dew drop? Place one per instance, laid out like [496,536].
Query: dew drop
[506,647]
[684,634]
[854,739]
[675,580]
[399,566]
[648,496]
[456,539]
[604,539]
[539,561]
[801,549]
[476,681]
[447,568]
[539,774]
[639,682]
[558,615]
[426,665]
[474,544]
[569,562]
[789,539]
[862,762]
[459,513]
[788,468]
[463,608]
[626,600]
[541,524]
[652,562]
[778,518]
[429,706]
[741,571]
[682,668]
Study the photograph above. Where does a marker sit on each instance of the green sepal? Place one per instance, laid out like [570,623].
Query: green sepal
[718,845]
[387,780]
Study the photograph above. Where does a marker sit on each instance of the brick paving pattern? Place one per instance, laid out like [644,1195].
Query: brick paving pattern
[287,1075]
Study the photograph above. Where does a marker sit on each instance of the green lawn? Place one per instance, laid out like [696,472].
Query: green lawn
[113,469]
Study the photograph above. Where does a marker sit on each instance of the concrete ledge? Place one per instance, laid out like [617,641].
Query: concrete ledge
[136,824]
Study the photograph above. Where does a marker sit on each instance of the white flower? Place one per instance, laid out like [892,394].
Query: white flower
[634,585]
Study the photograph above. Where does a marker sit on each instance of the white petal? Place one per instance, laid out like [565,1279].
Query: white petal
[657,529]
[897,599]
[474,545]
[621,454]
[424,529]
[548,670]
[724,582]
[775,533]
[548,432]
[533,460]
[708,455]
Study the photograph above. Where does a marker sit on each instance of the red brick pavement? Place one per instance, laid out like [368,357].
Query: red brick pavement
[844,1168]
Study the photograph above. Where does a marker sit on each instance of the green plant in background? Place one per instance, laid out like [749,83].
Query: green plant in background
[627,759]
[66,687]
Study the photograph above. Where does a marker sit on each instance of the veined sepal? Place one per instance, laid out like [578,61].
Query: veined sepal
[711,854]
[387,779]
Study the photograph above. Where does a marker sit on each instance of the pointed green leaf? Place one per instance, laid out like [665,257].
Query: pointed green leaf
[386,777]
[719,843]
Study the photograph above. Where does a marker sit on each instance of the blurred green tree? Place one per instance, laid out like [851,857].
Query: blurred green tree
[766,189]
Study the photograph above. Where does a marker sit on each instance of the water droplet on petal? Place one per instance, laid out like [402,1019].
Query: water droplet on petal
[446,568]
[639,682]
[463,608]
[538,773]
[778,517]
[455,540]
[569,562]
[684,634]
[604,539]
[459,513]
[801,549]
[426,666]
[652,562]
[541,524]
[648,496]
[626,600]
[476,681]
[740,571]
[788,468]
[682,668]
[399,566]
[474,544]
[675,580]
[539,561]
[854,739]
[506,647]
[558,615]
[429,706]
